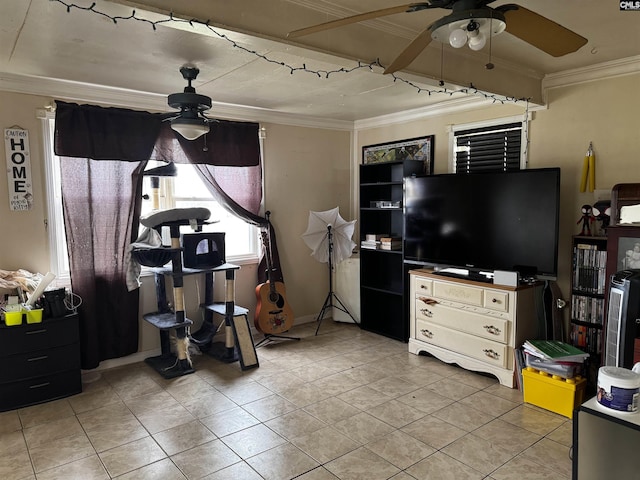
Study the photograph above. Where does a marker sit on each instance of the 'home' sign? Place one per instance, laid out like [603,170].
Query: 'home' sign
[16,144]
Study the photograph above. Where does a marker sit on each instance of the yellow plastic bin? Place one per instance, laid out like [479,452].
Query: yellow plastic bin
[13,318]
[551,392]
[34,316]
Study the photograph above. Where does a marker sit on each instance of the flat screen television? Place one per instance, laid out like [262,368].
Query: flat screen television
[484,221]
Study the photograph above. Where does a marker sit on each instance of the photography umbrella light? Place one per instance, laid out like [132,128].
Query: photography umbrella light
[329,236]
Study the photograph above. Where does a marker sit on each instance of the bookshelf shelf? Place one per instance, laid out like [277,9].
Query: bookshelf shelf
[588,299]
[588,288]
[382,275]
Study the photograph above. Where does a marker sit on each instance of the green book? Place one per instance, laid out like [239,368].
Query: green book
[555,350]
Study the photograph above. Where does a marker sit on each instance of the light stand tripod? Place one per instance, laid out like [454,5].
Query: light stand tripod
[328,303]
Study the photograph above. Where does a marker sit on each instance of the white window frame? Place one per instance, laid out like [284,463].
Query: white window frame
[55,220]
[524,143]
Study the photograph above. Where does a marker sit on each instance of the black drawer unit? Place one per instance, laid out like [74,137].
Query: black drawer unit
[41,362]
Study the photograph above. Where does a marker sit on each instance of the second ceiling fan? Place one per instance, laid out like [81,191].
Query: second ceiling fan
[191,121]
[472,22]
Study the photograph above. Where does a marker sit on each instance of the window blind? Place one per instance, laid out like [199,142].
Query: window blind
[488,149]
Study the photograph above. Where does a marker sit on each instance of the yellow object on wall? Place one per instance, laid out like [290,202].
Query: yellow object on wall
[588,178]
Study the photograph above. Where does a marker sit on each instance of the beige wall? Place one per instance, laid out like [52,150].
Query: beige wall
[305,169]
[603,111]
[435,126]
[24,243]
[311,169]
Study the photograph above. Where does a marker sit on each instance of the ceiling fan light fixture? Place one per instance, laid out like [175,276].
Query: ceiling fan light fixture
[477,25]
[458,38]
[478,42]
[190,128]
[191,121]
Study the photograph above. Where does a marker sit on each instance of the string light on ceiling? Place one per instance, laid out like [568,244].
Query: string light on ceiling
[471,90]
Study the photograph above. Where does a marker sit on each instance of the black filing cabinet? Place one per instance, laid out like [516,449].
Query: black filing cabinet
[40,362]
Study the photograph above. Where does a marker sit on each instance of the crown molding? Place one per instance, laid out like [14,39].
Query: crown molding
[111,96]
[449,106]
[601,71]
[443,108]
[71,91]
[81,92]
[120,97]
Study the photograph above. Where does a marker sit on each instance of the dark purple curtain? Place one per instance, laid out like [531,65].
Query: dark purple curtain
[101,204]
[89,131]
[102,200]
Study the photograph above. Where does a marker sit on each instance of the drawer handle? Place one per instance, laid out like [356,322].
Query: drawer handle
[491,353]
[426,312]
[33,332]
[35,359]
[40,385]
[426,333]
[424,287]
[492,330]
[495,300]
[428,301]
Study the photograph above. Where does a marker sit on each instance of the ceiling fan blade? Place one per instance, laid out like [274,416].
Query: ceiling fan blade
[539,31]
[410,7]
[410,53]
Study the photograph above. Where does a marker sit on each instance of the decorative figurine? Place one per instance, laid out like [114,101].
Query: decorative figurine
[602,212]
[587,218]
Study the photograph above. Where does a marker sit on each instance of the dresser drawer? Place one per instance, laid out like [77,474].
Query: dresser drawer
[479,297]
[459,293]
[496,300]
[39,336]
[41,362]
[39,389]
[422,285]
[457,317]
[485,350]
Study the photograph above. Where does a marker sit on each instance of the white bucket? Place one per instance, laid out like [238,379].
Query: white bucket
[618,389]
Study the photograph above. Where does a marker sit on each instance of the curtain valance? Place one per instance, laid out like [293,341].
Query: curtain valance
[101,133]
[109,133]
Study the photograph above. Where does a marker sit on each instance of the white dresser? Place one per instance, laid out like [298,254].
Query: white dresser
[473,324]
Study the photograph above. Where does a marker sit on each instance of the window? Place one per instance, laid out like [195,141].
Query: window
[187,190]
[184,190]
[489,146]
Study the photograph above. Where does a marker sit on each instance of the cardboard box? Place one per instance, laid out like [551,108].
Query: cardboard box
[553,393]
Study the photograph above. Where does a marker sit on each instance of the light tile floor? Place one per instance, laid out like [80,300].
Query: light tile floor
[345,404]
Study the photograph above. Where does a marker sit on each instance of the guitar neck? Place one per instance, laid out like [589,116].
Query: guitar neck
[267,256]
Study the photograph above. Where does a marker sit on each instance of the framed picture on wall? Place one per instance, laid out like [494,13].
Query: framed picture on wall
[420,148]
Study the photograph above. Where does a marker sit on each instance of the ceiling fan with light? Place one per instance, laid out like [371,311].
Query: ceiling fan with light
[190,121]
[470,22]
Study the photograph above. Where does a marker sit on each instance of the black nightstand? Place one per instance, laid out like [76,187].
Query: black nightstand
[41,362]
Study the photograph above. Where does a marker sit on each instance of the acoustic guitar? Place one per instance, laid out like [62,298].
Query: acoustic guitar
[273,313]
